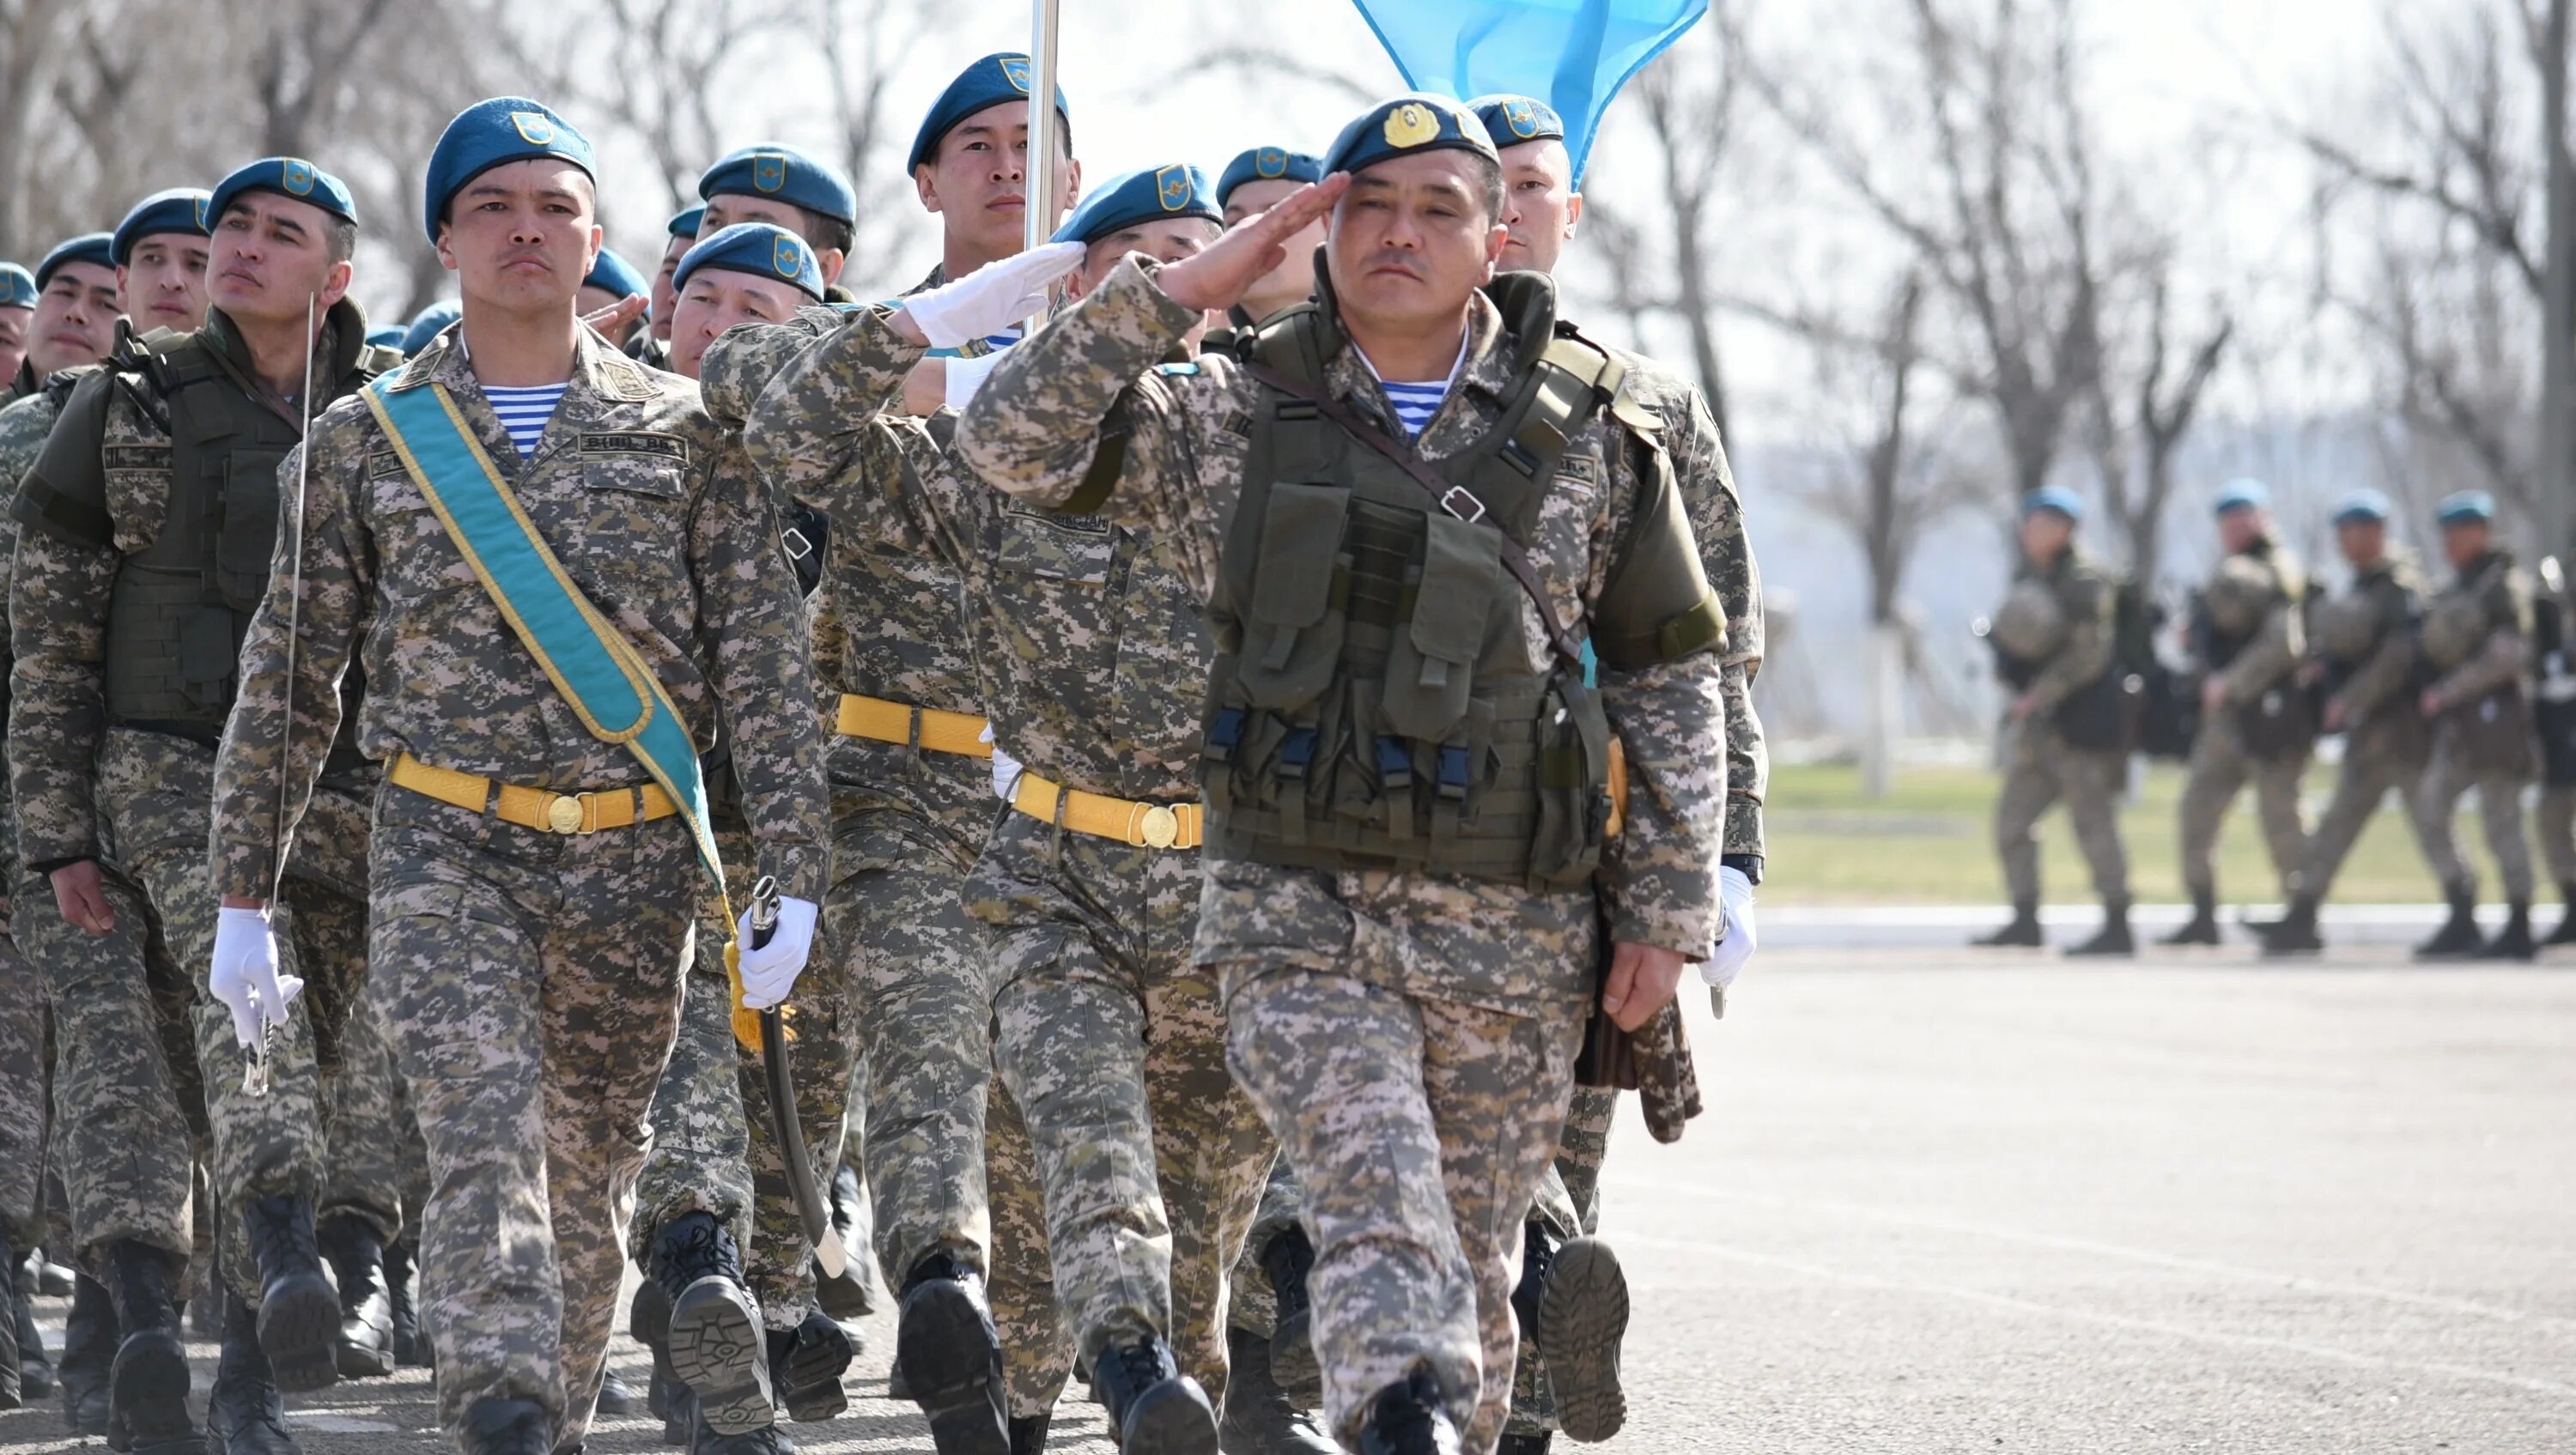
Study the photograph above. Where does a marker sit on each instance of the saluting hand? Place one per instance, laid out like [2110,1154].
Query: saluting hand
[1215,280]
[611,321]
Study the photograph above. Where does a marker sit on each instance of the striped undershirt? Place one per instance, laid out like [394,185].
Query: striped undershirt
[524,412]
[1415,403]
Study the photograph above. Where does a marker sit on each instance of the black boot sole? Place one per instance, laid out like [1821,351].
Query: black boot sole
[299,1325]
[810,1386]
[86,1413]
[147,1390]
[1292,1359]
[715,1343]
[1172,1418]
[1582,1317]
[952,1361]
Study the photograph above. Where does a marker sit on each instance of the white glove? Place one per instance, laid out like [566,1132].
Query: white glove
[1735,947]
[769,971]
[965,376]
[244,974]
[993,297]
[1006,769]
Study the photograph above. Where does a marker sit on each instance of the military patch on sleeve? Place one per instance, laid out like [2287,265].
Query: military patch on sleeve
[134,457]
[383,464]
[1580,469]
[657,446]
[1238,423]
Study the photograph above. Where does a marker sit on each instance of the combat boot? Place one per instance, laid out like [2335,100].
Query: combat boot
[808,1361]
[1029,1434]
[852,1295]
[53,1279]
[1154,1409]
[12,1299]
[411,1342]
[365,1347]
[2022,933]
[299,1313]
[2114,937]
[1260,1418]
[713,1333]
[1573,1299]
[2458,935]
[2202,927]
[952,1357]
[705,1439]
[244,1416]
[616,1396]
[89,1350]
[1533,1442]
[1406,1419]
[35,1371]
[2295,932]
[2565,934]
[2514,941]
[496,1426]
[1288,1257]
[147,1383]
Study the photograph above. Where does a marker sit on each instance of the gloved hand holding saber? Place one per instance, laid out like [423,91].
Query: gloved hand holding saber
[759,927]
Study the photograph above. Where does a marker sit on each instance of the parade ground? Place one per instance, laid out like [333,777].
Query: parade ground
[1942,1202]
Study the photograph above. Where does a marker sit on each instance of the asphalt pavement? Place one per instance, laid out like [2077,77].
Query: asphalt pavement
[1945,1202]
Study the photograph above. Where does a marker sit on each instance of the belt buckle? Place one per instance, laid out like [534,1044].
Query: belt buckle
[1160,828]
[1462,503]
[564,815]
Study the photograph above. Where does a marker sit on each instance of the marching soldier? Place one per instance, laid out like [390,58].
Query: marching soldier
[2475,639]
[2255,723]
[1255,181]
[2553,646]
[1405,764]
[787,187]
[653,346]
[2063,738]
[565,577]
[2361,653]
[17,312]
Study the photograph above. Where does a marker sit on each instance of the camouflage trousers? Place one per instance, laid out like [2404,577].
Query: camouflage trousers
[1420,1126]
[1037,1353]
[2039,770]
[379,1167]
[364,1139]
[2556,812]
[2451,774]
[2362,783]
[1112,1044]
[530,987]
[2220,767]
[26,1082]
[1580,1150]
[700,1157]
[898,987]
[1255,1305]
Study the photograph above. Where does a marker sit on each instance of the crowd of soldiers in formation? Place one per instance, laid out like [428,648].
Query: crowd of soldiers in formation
[2437,687]
[1285,735]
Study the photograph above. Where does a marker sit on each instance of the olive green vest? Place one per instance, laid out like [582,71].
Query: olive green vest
[1373,704]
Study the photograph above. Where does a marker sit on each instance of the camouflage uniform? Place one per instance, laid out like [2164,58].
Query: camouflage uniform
[1410,1037]
[376,1154]
[1092,648]
[2483,739]
[26,1080]
[2040,765]
[2554,707]
[701,1157]
[2384,734]
[530,982]
[2256,671]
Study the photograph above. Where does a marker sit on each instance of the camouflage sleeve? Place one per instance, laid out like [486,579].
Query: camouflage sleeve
[260,745]
[819,433]
[2506,653]
[746,359]
[2268,657]
[2087,652]
[60,585]
[2385,671]
[759,661]
[1726,553]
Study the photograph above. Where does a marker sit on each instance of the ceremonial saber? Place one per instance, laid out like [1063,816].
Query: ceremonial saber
[255,1055]
[1038,208]
[810,1207]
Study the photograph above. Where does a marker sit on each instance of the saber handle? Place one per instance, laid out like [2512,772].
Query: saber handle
[764,910]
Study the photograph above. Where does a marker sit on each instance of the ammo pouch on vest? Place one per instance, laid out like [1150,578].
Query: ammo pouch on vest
[2494,732]
[2097,715]
[2281,723]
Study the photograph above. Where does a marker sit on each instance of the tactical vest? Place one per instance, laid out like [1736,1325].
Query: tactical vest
[1372,704]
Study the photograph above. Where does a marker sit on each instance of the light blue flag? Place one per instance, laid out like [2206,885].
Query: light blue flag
[1572,54]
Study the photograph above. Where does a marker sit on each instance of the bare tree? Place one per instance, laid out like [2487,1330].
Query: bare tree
[866,44]
[665,73]
[2139,423]
[30,33]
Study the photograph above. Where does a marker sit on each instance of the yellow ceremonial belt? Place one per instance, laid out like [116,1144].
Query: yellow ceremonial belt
[901,723]
[534,808]
[1145,825]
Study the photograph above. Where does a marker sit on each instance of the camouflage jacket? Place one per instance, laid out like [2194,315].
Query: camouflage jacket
[809,426]
[1090,643]
[657,519]
[1035,426]
[2085,592]
[2503,593]
[2272,653]
[2375,686]
[24,426]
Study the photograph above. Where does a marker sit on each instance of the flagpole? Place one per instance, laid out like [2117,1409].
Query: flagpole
[1038,209]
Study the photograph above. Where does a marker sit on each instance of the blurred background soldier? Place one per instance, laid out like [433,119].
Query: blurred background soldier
[2474,639]
[2063,733]
[2255,722]
[2553,666]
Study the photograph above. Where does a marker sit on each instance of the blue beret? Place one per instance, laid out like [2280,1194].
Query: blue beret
[764,250]
[1405,125]
[388,337]
[1003,76]
[89,247]
[2364,506]
[783,172]
[685,224]
[1148,193]
[2055,498]
[1511,120]
[288,177]
[1267,164]
[488,133]
[429,323]
[17,287]
[180,209]
[616,275]
[2242,494]
[2465,506]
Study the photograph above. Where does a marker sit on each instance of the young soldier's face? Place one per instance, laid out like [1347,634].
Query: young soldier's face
[13,340]
[2464,541]
[1294,279]
[978,182]
[2241,527]
[2362,541]
[521,236]
[164,281]
[717,299]
[75,318]
[1412,240]
[2044,533]
[270,253]
[664,298]
[1540,205]
[727,208]
[1164,242]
